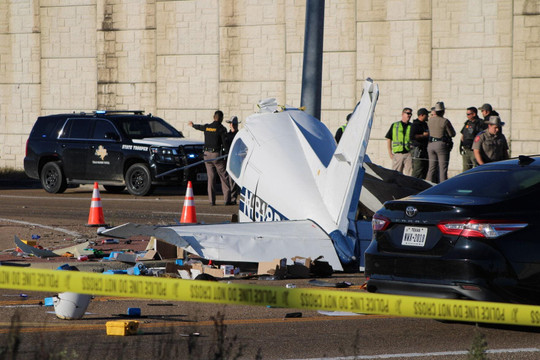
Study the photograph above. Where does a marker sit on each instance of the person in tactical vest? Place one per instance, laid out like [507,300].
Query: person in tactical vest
[419,143]
[473,125]
[215,139]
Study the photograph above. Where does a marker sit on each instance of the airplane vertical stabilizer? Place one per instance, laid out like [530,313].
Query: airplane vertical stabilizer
[342,180]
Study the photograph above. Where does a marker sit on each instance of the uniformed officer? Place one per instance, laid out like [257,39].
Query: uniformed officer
[441,133]
[398,140]
[233,130]
[419,143]
[215,139]
[487,112]
[490,145]
[472,126]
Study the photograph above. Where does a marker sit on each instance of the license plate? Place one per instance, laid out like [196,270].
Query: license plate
[414,236]
[202,177]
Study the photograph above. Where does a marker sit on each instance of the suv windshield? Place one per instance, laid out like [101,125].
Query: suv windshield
[492,183]
[147,127]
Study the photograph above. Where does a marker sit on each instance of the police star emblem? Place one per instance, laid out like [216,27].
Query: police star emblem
[101,152]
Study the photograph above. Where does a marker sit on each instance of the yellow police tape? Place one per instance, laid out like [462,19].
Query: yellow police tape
[240,294]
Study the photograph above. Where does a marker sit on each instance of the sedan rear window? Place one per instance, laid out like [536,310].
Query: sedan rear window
[492,183]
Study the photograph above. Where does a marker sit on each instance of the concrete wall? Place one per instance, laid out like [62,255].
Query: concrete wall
[182,59]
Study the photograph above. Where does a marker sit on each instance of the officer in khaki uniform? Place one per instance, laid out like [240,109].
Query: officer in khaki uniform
[491,145]
[440,143]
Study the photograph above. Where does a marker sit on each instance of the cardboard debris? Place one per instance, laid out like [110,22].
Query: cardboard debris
[300,260]
[150,255]
[206,269]
[277,267]
[191,271]
[159,249]
[77,250]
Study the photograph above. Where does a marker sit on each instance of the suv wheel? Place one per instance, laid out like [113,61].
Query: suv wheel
[114,189]
[138,180]
[52,178]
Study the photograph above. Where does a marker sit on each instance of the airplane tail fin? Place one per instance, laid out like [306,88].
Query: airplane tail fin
[343,179]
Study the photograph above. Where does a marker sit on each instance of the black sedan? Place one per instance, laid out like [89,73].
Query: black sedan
[474,236]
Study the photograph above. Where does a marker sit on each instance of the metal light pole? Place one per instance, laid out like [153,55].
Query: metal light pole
[313,58]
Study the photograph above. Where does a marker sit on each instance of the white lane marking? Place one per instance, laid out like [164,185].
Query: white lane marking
[69,232]
[430,354]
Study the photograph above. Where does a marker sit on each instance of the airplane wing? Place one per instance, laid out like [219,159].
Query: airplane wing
[244,242]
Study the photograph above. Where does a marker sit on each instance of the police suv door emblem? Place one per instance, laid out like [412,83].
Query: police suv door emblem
[101,152]
[411,211]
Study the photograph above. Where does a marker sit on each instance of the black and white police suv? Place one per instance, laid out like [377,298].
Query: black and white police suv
[118,149]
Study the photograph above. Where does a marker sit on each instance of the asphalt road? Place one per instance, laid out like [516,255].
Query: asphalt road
[183,330]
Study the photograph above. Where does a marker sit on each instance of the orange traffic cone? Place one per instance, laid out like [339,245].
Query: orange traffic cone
[188,212]
[95,218]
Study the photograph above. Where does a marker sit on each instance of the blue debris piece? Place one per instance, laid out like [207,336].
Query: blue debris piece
[113,255]
[138,269]
[67,267]
[48,301]
[115,272]
[134,312]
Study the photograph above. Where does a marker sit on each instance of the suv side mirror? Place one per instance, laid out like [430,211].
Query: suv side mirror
[112,136]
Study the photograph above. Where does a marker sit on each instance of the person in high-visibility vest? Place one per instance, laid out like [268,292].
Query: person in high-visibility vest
[341,129]
[399,143]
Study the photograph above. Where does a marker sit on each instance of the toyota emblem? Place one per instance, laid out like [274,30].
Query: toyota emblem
[411,211]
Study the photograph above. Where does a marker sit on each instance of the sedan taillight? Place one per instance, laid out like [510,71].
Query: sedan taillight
[489,229]
[379,222]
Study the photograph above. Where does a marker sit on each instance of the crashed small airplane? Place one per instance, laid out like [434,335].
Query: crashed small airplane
[299,192]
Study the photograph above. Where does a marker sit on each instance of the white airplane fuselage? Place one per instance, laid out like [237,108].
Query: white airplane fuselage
[299,192]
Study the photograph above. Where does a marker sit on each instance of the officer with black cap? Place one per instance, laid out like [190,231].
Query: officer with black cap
[215,139]
[419,144]
[491,145]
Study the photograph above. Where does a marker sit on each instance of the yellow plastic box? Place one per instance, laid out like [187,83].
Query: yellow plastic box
[122,327]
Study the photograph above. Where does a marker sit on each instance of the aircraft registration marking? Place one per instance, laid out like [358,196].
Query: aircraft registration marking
[257,209]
